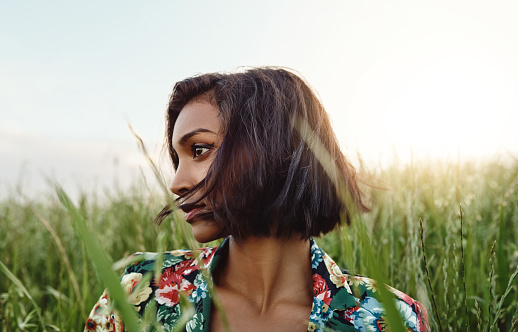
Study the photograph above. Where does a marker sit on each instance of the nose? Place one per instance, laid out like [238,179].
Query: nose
[182,182]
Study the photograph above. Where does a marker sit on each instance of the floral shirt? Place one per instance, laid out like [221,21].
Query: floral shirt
[335,305]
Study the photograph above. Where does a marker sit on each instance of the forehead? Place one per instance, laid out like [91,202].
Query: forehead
[197,115]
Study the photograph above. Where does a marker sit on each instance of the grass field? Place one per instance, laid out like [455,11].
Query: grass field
[469,215]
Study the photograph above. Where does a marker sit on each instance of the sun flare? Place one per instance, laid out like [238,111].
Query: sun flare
[433,107]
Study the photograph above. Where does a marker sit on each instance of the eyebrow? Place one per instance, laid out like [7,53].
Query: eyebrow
[195,132]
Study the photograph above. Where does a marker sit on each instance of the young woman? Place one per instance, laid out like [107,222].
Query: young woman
[244,172]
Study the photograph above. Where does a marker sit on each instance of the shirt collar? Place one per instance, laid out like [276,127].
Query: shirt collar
[331,289]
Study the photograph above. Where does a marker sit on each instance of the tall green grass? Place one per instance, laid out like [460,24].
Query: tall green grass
[48,279]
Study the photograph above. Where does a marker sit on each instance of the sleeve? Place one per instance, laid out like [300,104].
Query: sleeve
[103,317]
[422,317]
[413,312]
[370,314]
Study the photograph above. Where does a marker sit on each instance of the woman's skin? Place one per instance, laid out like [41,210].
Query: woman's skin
[196,137]
[265,283]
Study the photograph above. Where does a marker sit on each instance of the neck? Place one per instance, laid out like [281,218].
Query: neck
[268,270]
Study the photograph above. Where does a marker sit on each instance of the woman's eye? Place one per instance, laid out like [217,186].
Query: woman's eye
[198,150]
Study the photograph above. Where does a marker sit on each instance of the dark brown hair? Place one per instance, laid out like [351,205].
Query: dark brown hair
[265,179]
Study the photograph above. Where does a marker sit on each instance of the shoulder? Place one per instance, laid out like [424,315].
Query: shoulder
[143,262]
[178,273]
[353,298]
[370,311]
[102,317]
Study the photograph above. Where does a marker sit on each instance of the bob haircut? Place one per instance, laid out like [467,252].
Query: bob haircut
[265,179]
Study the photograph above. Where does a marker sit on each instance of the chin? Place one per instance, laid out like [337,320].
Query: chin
[206,231]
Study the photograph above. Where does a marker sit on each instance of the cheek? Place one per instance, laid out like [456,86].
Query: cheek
[205,165]
[197,169]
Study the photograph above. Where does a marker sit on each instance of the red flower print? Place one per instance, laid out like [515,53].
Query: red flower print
[381,324]
[185,268]
[172,280]
[204,259]
[172,283]
[408,300]
[348,313]
[91,325]
[422,317]
[320,289]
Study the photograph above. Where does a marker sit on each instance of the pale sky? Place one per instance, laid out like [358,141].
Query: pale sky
[435,79]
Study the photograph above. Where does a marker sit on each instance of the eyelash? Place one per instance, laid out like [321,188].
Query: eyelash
[195,147]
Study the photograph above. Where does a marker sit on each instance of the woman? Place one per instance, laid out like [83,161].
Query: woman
[245,171]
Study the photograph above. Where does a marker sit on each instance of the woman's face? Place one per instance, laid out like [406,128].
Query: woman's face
[196,138]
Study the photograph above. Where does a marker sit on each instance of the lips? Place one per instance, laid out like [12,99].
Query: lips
[191,211]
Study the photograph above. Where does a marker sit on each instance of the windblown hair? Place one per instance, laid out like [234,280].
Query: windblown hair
[265,179]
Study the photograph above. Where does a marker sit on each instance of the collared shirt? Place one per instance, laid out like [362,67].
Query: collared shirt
[341,302]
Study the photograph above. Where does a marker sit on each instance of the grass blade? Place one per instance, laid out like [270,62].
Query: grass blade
[463,267]
[436,311]
[21,287]
[101,262]
[507,291]
[62,251]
